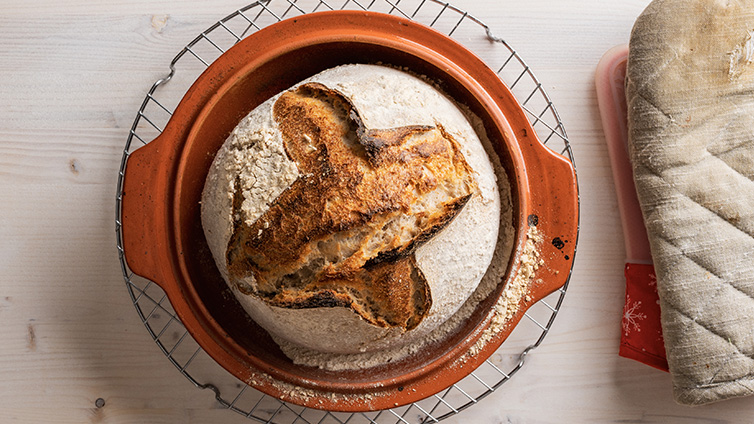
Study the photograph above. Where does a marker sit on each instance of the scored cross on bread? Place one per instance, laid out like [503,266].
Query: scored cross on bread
[344,233]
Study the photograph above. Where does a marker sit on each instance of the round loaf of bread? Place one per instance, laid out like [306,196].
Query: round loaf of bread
[356,211]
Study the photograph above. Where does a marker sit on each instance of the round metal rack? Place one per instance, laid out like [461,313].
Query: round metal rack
[151,302]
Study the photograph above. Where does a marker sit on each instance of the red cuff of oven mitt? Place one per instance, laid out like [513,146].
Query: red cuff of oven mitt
[641,335]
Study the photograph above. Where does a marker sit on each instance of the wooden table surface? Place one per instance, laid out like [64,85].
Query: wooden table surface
[72,76]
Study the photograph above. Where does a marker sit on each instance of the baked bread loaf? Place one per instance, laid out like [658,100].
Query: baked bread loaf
[355,211]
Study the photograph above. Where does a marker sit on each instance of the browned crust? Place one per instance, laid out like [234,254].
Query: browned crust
[354,182]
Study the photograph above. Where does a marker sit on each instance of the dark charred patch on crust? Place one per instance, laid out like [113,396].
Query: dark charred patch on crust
[354,182]
[452,210]
[319,299]
[237,261]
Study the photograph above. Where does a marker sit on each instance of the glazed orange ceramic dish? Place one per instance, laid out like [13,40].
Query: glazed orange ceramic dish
[164,241]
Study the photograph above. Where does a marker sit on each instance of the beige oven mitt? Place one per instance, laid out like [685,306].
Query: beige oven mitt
[690,93]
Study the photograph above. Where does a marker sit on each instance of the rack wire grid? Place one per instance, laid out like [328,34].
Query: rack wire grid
[159,317]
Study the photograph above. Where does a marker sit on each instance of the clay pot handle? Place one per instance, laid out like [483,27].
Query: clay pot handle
[144,208]
[554,211]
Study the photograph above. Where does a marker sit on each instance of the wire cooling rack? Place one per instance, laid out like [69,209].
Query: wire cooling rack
[151,302]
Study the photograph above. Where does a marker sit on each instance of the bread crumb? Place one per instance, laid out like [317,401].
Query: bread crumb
[517,289]
[306,396]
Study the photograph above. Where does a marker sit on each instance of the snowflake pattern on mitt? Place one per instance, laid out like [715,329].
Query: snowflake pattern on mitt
[632,316]
[641,332]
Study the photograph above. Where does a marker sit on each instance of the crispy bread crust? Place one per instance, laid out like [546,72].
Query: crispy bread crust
[344,233]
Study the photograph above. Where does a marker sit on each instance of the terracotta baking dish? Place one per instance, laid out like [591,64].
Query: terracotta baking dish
[164,242]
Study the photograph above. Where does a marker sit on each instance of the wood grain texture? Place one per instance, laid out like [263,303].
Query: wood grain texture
[73,76]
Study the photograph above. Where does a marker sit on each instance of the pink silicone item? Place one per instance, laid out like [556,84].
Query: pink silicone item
[611,96]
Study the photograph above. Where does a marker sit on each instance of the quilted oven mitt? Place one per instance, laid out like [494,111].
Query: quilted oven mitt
[690,94]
